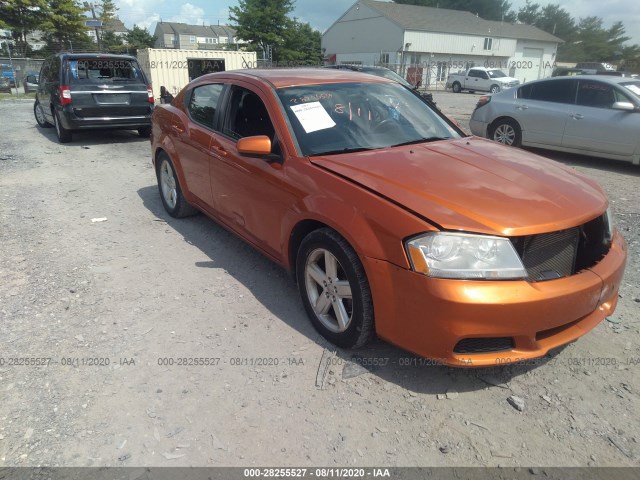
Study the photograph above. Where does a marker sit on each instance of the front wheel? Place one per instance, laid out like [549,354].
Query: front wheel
[39,114]
[334,289]
[494,89]
[506,131]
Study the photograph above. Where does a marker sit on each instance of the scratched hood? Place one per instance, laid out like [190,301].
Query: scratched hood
[475,185]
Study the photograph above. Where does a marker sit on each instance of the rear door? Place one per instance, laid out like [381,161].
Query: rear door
[542,109]
[107,87]
[594,126]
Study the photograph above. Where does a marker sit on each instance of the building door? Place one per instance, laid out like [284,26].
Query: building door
[531,63]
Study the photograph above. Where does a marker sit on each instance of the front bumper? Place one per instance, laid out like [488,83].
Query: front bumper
[429,316]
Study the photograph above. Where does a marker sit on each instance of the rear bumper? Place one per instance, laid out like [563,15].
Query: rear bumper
[478,128]
[433,317]
[71,121]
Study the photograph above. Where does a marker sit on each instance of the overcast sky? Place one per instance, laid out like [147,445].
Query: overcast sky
[321,14]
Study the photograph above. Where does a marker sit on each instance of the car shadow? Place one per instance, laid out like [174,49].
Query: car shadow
[92,137]
[276,290]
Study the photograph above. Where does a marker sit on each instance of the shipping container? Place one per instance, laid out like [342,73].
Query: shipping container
[173,69]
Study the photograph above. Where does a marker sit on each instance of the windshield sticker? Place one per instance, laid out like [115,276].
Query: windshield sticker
[634,88]
[313,117]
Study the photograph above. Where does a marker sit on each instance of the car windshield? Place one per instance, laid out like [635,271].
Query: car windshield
[104,70]
[496,73]
[346,117]
[633,87]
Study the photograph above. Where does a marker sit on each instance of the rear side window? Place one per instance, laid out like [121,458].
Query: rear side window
[204,102]
[104,70]
[563,91]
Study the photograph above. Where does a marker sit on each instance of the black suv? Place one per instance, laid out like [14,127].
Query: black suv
[79,91]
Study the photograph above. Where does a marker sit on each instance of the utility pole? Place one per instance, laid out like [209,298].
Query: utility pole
[91,7]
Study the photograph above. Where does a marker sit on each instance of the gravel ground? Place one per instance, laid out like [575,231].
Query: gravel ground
[98,315]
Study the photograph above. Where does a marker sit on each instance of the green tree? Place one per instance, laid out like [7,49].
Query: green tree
[112,43]
[106,11]
[138,38]
[262,23]
[22,17]
[487,9]
[64,26]
[301,44]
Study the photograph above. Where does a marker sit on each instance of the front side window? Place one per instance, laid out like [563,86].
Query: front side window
[595,94]
[204,103]
[246,116]
[338,118]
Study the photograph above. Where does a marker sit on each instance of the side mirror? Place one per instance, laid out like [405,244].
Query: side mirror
[259,145]
[625,106]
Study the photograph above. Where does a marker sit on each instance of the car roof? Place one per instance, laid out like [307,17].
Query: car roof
[600,78]
[289,77]
[95,55]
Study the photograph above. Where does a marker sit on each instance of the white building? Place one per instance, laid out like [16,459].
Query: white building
[425,43]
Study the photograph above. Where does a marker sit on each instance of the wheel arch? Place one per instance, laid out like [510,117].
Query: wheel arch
[168,148]
[501,118]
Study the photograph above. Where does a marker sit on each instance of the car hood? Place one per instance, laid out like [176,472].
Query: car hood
[506,80]
[475,185]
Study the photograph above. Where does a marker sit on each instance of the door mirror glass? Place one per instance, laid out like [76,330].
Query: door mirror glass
[626,106]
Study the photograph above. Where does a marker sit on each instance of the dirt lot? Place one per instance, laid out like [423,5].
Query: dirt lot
[111,307]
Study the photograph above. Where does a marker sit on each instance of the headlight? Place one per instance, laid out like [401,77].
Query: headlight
[608,223]
[464,256]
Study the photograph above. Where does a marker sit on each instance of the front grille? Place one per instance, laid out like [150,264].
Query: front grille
[559,254]
[484,345]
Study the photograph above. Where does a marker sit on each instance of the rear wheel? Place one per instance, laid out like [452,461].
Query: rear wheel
[39,114]
[506,131]
[334,289]
[64,135]
[456,87]
[170,191]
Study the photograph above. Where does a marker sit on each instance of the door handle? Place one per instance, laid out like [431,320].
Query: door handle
[522,107]
[577,116]
[220,150]
[176,128]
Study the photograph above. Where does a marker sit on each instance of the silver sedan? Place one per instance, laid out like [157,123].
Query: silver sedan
[587,114]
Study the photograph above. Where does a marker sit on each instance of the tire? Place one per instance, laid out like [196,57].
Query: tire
[506,131]
[64,135]
[170,191]
[144,132]
[494,89]
[334,289]
[456,87]
[39,114]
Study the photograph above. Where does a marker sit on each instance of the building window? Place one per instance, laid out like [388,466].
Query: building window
[224,40]
[212,40]
[192,39]
[384,58]
[488,43]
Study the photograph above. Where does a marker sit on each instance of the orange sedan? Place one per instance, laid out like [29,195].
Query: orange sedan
[391,220]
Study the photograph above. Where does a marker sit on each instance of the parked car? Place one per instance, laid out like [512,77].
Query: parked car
[5,85]
[385,73]
[85,91]
[391,220]
[586,114]
[481,79]
[30,82]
